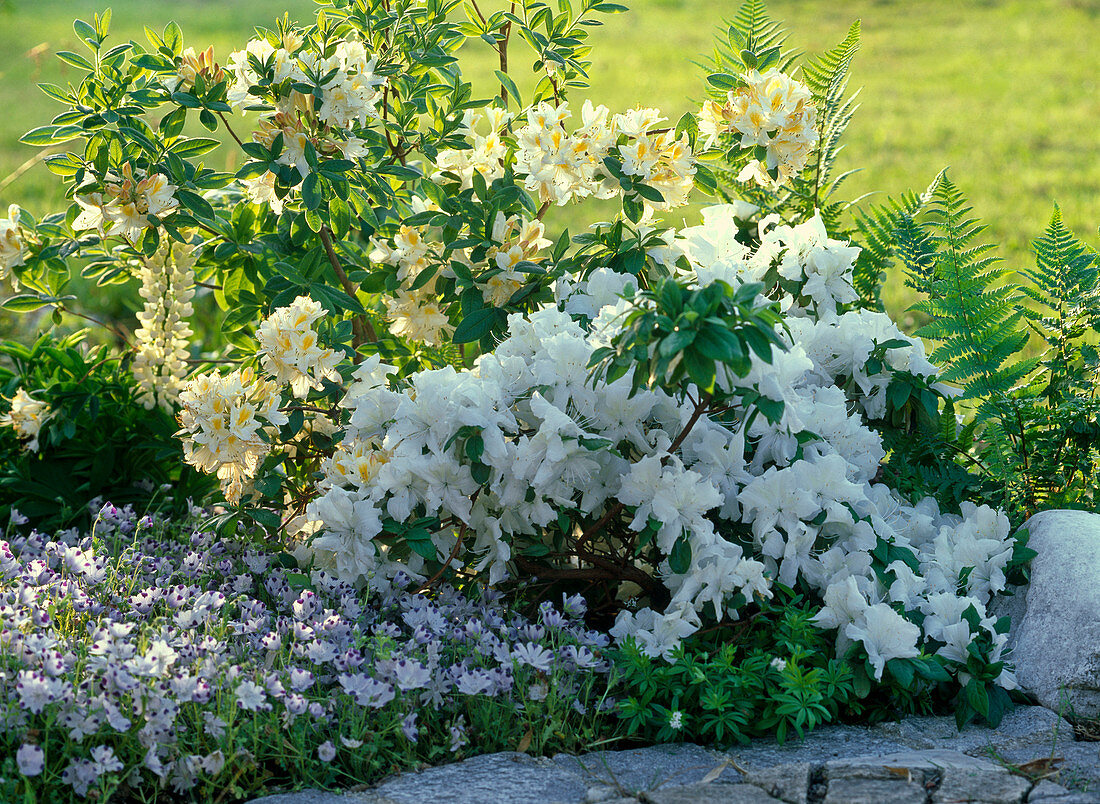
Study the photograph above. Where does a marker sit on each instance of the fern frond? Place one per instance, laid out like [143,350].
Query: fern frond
[888,232]
[758,30]
[977,318]
[1066,298]
[827,78]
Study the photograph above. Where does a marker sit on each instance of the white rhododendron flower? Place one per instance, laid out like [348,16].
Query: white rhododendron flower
[886,635]
[26,417]
[561,166]
[289,349]
[124,207]
[485,129]
[821,265]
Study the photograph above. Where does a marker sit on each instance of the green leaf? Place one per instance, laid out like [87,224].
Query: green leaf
[196,204]
[85,31]
[510,87]
[399,172]
[51,135]
[172,123]
[476,324]
[723,81]
[266,518]
[902,670]
[978,697]
[186,99]
[187,149]
[76,60]
[424,547]
[311,192]
[679,560]
[339,215]
[173,38]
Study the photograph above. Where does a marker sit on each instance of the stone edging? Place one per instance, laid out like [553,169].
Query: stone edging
[920,760]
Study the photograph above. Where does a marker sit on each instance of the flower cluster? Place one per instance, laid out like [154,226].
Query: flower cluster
[561,166]
[515,240]
[12,247]
[813,271]
[487,154]
[125,206]
[345,91]
[770,110]
[26,417]
[224,419]
[289,349]
[141,656]
[415,310]
[167,285]
[545,432]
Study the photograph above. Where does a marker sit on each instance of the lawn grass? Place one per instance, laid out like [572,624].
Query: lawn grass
[1006,93]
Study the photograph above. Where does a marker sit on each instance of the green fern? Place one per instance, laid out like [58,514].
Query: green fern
[889,232]
[753,29]
[827,78]
[1065,292]
[976,315]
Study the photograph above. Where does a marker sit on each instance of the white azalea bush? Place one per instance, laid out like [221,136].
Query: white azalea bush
[696,428]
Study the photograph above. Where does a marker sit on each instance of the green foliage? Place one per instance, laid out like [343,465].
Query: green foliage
[1029,437]
[774,673]
[976,318]
[690,337]
[98,440]
[888,232]
[1065,292]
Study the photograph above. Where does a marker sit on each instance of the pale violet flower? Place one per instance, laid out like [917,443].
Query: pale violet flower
[30,759]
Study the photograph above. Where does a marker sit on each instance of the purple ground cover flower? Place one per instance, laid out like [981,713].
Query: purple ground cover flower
[156,653]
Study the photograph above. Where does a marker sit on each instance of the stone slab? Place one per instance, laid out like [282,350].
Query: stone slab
[989,787]
[874,791]
[1025,727]
[919,759]
[820,746]
[648,768]
[710,794]
[789,783]
[506,776]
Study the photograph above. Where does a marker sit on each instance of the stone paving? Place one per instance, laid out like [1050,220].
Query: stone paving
[916,761]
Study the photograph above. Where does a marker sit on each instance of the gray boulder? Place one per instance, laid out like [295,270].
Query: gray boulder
[1055,637]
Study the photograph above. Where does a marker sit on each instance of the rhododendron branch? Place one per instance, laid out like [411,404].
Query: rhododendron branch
[604,570]
[228,128]
[362,329]
[109,327]
[700,408]
[502,47]
[454,552]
